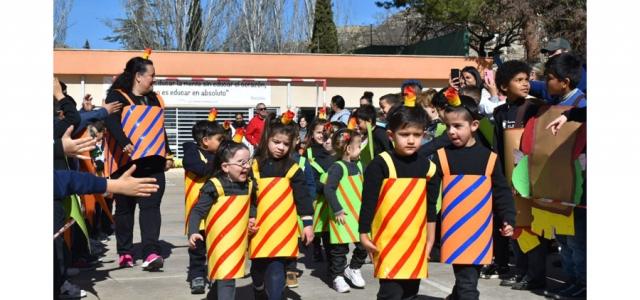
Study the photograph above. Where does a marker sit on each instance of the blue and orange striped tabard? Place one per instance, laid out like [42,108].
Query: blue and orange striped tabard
[192,185]
[144,126]
[276,217]
[467,218]
[399,228]
[227,241]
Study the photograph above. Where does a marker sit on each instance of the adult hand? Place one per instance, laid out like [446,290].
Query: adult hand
[490,84]
[112,107]
[131,186]
[57,89]
[368,244]
[128,149]
[75,148]
[307,235]
[455,83]
[556,124]
[193,238]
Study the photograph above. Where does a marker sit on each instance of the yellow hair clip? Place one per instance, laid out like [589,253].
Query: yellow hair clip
[452,97]
[409,96]
[147,53]
[213,114]
[287,117]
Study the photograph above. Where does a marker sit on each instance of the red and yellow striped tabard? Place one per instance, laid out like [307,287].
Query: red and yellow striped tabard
[276,217]
[192,186]
[144,126]
[467,218]
[399,228]
[227,226]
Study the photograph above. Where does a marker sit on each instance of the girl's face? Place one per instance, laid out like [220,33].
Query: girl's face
[318,134]
[303,123]
[468,79]
[353,150]
[279,145]
[237,168]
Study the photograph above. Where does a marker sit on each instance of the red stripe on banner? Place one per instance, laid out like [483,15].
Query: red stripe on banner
[284,241]
[335,231]
[274,228]
[400,231]
[268,188]
[355,187]
[395,208]
[274,205]
[412,247]
[346,199]
[223,78]
[385,189]
[219,212]
[197,79]
[227,253]
[227,228]
[296,80]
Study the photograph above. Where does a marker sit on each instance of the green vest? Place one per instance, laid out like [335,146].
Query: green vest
[321,211]
[349,195]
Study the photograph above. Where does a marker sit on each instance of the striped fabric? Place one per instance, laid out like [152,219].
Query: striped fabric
[192,186]
[321,211]
[467,219]
[349,194]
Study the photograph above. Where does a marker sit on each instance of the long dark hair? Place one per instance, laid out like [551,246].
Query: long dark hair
[226,151]
[124,81]
[272,126]
[311,128]
[474,72]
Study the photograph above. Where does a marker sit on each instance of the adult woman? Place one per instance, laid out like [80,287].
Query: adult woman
[137,135]
[302,122]
[489,92]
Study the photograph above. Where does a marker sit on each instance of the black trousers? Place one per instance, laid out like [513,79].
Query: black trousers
[59,269]
[150,220]
[500,247]
[466,287]
[338,261]
[395,289]
[198,259]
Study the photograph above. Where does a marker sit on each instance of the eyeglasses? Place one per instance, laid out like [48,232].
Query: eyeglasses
[241,164]
[262,108]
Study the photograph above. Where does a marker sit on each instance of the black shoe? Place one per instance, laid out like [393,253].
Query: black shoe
[575,291]
[489,271]
[526,284]
[511,280]
[550,293]
[197,285]
[259,294]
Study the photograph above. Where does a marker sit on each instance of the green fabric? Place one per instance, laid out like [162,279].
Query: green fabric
[439,201]
[440,129]
[73,211]
[302,162]
[339,233]
[321,211]
[577,196]
[520,177]
[486,128]
[366,154]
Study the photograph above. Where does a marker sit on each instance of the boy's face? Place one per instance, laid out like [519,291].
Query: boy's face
[460,130]
[407,140]
[557,87]
[518,86]
[212,142]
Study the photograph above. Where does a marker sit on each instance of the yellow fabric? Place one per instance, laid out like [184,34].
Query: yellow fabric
[191,195]
[547,222]
[527,241]
[389,161]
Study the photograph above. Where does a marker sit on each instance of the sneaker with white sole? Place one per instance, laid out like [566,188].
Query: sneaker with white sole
[153,262]
[355,276]
[340,285]
[125,261]
[70,291]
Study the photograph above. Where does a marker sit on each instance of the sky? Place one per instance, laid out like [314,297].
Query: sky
[86,21]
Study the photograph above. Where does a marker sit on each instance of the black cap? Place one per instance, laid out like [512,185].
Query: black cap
[555,44]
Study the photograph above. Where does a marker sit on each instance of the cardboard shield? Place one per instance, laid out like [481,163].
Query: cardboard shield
[512,137]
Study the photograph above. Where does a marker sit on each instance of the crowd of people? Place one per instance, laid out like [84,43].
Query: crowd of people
[433,175]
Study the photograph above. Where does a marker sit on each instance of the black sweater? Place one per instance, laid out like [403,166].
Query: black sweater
[209,196]
[381,141]
[414,166]
[192,162]
[505,116]
[473,161]
[71,118]
[333,180]
[325,160]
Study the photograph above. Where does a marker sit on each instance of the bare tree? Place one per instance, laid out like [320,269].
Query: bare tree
[61,10]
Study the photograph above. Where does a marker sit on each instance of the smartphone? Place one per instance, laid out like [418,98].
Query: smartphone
[488,75]
[455,74]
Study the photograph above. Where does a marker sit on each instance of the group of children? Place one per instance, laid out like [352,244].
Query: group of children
[394,192]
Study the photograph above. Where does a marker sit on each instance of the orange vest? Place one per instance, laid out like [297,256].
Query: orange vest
[399,228]
[467,219]
[278,231]
[144,126]
[192,184]
[226,231]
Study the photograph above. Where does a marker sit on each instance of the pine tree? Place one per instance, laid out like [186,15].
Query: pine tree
[86,45]
[325,35]
[194,34]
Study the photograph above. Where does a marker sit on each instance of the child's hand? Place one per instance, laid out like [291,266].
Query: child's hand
[132,186]
[340,218]
[252,226]
[556,124]
[368,244]
[506,230]
[76,147]
[193,238]
[307,235]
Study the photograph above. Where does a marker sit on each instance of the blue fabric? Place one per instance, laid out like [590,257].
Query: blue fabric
[569,101]
[87,117]
[269,273]
[66,183]
[308,176]
[538,89]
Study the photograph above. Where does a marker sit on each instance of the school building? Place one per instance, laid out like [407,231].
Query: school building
[193,82]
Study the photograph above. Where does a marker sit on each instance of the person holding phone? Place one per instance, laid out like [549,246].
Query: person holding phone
[470,77]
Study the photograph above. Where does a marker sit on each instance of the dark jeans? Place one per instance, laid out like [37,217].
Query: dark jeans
[225,289]
[338,261]
[537,261]
[574,248]
[270,273]
[59,268]
[198,259]
[150,219]
[466,287]
[391,289]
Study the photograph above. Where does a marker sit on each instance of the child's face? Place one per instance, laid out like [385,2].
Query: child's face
[432,113]
[555,86]
[362,126]
[518,87]
[318,134]
[328,146]
[460,130]
[385,106]
[279,145]
[212,142]
[353,150]
[238,166]
[440,113]
[407,140]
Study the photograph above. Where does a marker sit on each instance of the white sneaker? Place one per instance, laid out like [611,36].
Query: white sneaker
[355,276]
[340,285]
[70,291]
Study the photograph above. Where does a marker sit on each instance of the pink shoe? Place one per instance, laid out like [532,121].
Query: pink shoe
[153,262]
[125,261]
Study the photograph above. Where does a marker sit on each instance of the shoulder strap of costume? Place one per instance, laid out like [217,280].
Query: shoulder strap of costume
[521,111]
[202,158]
[359,164]
[126,96]
[432,170]
[250,183]
[345,170]
[292,171]
[218,185]
[578,99]
[390,165]
[310,154]
[160,100]
[370,139]
[302,162]
[491,163]
[444,163]
[256,171]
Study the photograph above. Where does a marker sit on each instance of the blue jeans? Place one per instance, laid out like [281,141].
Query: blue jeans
[270,272]
[226,289]
[574,248]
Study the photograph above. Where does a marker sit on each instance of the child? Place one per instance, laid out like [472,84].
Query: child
[436,128]
[563,73]
[282,192]
[395,209]
[197,158]
[375,138]
[387,101]
[224,203]
[473,190]
[343,192]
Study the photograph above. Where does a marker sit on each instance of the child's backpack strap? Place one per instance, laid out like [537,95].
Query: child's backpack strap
[444,163]
[292,171]
[218,185]
[490,164]
[256,171]
[124,94]
[390,165]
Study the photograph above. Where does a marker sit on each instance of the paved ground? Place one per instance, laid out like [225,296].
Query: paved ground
[109,282]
